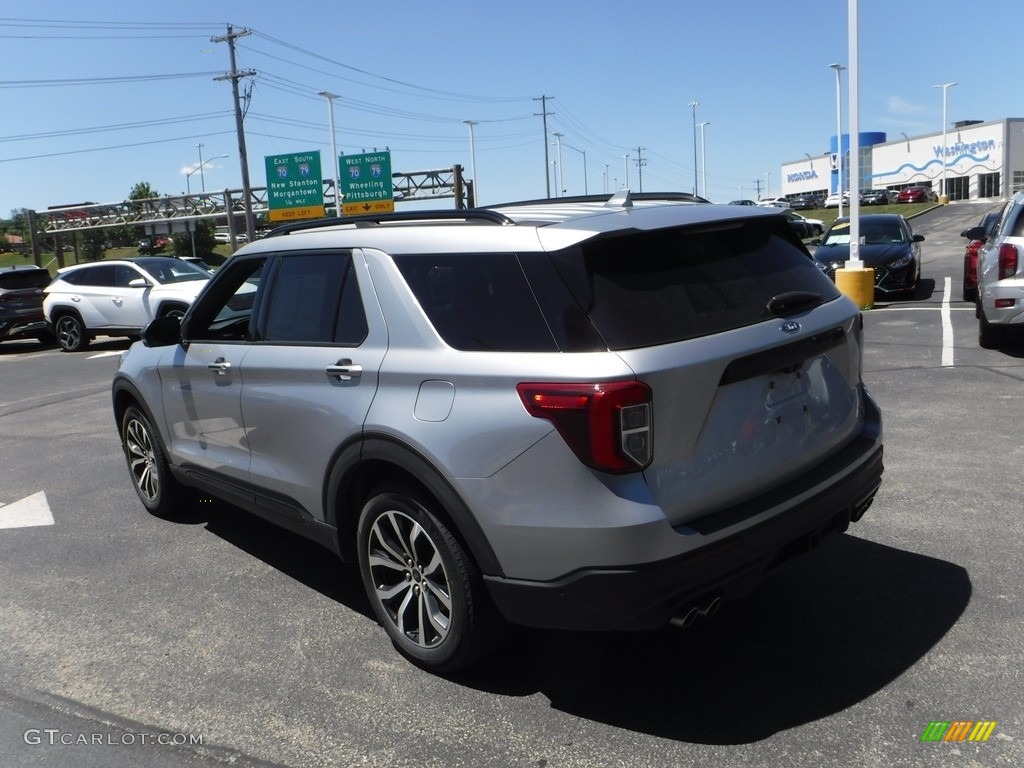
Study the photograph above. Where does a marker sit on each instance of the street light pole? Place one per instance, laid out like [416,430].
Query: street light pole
[561,182]
[472,161]
[703,163]
[693,106]
[839,130]
[586,190]
[334,149]
[188,189]
[625,165]
[945,87]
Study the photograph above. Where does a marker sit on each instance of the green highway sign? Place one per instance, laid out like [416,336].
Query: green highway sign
[295,188]
[366,183]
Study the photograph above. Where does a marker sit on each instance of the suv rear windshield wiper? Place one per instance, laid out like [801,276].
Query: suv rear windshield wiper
[793,301]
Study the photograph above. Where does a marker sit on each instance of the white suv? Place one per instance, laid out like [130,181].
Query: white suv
[118,298]
[592,414]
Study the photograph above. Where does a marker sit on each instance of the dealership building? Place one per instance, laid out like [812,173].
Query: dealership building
[982,160]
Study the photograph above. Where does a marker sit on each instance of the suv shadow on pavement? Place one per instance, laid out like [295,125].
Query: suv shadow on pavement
[822,634]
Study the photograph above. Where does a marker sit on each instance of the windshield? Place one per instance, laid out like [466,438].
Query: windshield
[166,270]
[871,233]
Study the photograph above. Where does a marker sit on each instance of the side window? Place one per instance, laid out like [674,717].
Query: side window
[478,302]
[123,274]
[225,312]
[315,300]
[102,274]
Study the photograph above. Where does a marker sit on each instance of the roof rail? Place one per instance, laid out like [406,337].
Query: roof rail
[463,214]
[614,199]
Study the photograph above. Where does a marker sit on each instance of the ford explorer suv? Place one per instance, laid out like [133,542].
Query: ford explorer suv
[598,413]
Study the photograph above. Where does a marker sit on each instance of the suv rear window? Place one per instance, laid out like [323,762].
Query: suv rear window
[650,288]
[20,279]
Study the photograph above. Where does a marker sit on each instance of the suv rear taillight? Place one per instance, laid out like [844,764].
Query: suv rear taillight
[1007,260]
[606,424]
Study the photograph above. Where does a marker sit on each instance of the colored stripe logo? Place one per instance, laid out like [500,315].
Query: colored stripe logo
[959,730]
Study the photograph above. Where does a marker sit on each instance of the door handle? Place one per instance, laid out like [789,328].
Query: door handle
[220,365]
[344,370]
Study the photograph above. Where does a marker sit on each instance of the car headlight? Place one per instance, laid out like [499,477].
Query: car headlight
[901,262]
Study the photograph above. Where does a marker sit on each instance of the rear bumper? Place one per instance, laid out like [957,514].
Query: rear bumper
[648,595]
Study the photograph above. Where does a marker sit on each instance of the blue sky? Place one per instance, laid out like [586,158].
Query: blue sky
[98,97]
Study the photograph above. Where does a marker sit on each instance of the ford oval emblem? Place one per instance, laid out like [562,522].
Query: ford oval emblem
[790,327]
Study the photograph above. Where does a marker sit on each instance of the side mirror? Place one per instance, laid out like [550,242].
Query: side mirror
[162,332]
[139,282]
[974,233]
[918,238]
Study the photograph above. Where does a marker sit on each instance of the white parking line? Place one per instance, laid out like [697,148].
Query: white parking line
[30,511]
[108,353]
[947,326]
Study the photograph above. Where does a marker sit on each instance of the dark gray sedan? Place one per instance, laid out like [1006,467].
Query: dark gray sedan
[887,244]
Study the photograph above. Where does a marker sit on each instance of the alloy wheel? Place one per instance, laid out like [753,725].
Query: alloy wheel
[142,460]
[409,579]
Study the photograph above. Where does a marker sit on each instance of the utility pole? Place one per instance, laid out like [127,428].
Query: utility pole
[757,184]
[234,75]
[640,163]
[544,113]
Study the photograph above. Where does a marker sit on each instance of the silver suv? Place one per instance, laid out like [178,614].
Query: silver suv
[579,414]
[1000,305]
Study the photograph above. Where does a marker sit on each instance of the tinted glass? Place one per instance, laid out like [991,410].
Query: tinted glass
[306,304]
[659,287]
[478,301]
[17,280]
[102,274]
[123,274]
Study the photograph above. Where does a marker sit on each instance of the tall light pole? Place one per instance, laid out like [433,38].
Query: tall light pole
[201,164]
[561,181]
[586,190]
[334,149]
[198,169]
[703,163]
[839,130]
[188,189]
[472,161]
[625,165]
[693,106]
[945,87]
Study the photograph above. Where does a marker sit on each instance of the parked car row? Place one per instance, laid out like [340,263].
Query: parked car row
[109,298]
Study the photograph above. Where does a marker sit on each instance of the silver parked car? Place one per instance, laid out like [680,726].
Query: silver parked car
[590,414]
[1000,305]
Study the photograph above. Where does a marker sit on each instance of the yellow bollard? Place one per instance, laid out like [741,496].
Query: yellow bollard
[858,285]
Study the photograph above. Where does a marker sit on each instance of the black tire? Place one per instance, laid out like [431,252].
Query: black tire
[71,333]
[989,336]
[159,492]
[425,590]
[173,310]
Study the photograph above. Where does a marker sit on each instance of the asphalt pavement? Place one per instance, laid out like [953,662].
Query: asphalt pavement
[218,640]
